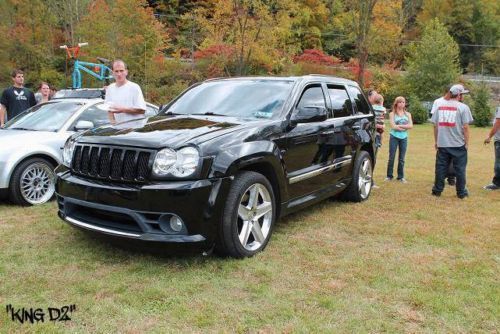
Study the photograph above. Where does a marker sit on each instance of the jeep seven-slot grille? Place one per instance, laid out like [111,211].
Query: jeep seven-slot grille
[111,163]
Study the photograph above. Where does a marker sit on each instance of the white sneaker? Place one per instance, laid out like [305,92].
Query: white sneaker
[403,180]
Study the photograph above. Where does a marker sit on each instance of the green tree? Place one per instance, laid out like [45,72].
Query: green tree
[418,113]
[432,63]
[474,24]
[482,111]
[125,29]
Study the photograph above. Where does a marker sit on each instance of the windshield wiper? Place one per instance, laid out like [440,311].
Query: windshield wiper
[208,113]
[24,129]
[171,113]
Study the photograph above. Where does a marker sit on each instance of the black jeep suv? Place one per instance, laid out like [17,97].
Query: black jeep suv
[221,163]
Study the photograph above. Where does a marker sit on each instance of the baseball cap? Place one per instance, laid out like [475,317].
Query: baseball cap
[458,89]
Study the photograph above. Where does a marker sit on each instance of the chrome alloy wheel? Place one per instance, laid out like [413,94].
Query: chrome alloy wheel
[365,178]
[255,215]
[37,183]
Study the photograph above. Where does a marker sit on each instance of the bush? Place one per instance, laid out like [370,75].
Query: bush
[417,110]
[481,111]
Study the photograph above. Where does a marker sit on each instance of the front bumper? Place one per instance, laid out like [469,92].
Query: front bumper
[143,212]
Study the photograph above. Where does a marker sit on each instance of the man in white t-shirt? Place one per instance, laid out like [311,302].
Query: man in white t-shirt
[451,135]
[450,175]
[124,97]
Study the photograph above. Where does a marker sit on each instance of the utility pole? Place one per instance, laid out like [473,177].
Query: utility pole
[145,72]
[192,42]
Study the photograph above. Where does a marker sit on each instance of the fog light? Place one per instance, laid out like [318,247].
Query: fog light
[176,224]
[171,224]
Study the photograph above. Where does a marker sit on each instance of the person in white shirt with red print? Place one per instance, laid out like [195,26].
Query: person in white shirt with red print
[123,97]
[438,102]
[451,134]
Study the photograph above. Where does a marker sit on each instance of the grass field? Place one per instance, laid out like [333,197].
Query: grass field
[404,261]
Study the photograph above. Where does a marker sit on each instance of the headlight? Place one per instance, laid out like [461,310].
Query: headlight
[69,148]
[181,163]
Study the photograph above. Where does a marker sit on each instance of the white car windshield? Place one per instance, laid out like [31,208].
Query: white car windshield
[49,116]
[252,98]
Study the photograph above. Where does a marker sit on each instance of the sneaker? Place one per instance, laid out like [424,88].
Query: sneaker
[451,182]
[435,193]
[491,187]
[403,180]
[388,179]
[465,194]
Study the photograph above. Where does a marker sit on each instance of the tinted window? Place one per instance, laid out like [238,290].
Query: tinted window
[312,97]
[238,98]
[95,115]
[360,103]
[341,104]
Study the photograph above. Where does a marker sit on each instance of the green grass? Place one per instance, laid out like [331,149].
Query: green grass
[402,262]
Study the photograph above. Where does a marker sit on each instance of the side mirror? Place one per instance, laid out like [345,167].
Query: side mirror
[83,125]
[309,114]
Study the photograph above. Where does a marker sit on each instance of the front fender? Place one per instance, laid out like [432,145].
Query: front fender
[245,155]
[10,160]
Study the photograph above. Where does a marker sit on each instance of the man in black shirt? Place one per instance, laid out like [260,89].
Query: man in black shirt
[15,99]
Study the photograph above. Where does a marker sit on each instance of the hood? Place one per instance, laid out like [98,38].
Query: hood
[163,131]
[21,138]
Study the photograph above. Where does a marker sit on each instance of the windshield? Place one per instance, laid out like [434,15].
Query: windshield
[44,117]
[237,98]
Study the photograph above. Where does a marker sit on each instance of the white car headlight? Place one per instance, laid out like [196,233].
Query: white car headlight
[69,148]
[164,160]
[181,163]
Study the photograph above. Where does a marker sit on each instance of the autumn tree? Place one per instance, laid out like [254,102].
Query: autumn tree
[386,34]
[31,30]
[125,29]
[432,62]
[258,35]
[354,24]
[68,14]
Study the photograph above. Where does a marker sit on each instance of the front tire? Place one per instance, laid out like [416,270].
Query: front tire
[362,179]
[32,183]
[249,216]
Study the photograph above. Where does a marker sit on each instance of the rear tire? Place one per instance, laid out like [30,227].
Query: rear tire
[32,183]
[248,217]
[362,179]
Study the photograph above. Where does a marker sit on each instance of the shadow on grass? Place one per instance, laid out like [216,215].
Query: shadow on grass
[294,220]
[129,248]
[109,249]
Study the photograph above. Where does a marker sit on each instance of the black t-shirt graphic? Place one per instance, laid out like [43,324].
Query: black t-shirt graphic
[16,100]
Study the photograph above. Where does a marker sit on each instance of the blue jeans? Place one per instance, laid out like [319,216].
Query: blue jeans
[394,143]
[496,178]
[445,155]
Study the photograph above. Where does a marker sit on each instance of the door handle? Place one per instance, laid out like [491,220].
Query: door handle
[329,132]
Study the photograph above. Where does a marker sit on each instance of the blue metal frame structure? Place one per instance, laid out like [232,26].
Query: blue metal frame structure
[98,71]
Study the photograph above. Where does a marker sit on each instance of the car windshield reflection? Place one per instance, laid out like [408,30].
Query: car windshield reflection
[245,99]
[49,116]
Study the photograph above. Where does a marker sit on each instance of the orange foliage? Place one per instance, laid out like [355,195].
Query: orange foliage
[316,56]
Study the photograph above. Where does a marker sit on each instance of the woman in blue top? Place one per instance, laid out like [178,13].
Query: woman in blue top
[401,122]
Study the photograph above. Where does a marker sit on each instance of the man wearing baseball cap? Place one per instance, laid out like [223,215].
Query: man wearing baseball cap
[451,135]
